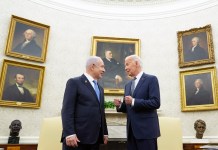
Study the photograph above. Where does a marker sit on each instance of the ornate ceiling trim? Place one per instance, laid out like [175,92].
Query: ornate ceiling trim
[128,9]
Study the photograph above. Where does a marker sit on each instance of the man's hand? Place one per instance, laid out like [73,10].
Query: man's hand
[72,141]
[117,102]
[105,139]
[128,100]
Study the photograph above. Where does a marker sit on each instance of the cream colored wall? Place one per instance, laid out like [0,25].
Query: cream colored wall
[69,47]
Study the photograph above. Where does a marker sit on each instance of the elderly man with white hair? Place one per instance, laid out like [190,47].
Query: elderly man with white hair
[29,46]
[196,52]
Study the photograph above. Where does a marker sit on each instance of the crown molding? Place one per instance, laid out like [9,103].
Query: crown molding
[128,12]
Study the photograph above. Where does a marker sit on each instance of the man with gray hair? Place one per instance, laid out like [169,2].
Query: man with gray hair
[83,115]
[196,52]
[141,101]
[29,46]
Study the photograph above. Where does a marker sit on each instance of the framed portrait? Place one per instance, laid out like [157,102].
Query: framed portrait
[21,84]
[198,89]
[195,47]
[113,51]
[27,39]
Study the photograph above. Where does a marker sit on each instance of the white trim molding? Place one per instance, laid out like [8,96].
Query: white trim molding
[206,139]
[23,140]
[186,139]
[122,11]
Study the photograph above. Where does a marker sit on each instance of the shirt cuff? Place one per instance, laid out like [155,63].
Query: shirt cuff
[133,101]
[70,136]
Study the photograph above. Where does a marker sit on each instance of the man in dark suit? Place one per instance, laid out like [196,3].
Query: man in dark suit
[199,96]
[18,92]
[83,115]
[29,45]
[141,101]
[196,52]
[113,77]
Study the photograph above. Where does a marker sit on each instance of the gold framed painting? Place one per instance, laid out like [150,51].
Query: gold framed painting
[21,84]
[113,51]
[198,89]
[195,47]
[27,39]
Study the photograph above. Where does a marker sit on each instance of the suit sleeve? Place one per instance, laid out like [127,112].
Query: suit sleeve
[122,108]
[105,126]
[68,108]
[153,100]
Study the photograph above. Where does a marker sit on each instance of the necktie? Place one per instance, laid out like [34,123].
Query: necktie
[133,86]
[96,89]
[21,89]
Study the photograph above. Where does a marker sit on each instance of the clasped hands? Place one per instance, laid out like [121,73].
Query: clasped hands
[127,99]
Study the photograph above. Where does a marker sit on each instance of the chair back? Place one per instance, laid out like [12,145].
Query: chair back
[50,134]
[171,134]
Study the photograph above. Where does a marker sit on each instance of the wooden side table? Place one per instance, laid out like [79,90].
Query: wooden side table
[195,146]
[19,146]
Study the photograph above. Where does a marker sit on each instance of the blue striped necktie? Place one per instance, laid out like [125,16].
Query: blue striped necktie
[96,89]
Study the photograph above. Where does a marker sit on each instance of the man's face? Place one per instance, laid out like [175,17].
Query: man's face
[15,126]
[19,79]
[130,66]
[108,54]
[198,84]
[98,69]
[194,42]
[28,35]
[200,128]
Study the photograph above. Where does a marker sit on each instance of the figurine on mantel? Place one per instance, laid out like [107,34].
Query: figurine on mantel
[200,127]
[14,132]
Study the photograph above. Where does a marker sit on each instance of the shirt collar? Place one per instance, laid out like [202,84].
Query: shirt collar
[19,85]
[139,75]
[90,78]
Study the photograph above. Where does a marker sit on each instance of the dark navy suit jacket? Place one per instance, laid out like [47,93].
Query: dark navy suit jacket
[12,93]
[82,113]
[143,115]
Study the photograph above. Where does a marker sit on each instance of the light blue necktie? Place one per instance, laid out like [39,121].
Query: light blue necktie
[96,89]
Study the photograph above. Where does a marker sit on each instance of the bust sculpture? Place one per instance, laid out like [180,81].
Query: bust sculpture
[14,132]
[200,127]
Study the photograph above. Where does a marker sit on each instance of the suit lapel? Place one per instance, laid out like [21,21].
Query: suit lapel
[86,82]
[141,81]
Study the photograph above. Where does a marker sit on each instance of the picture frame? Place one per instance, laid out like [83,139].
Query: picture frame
[115,77]
[27,39]
[195,47]
[198,89]
[21,84]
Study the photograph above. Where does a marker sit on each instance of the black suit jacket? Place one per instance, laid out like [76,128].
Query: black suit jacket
[82,113]
[12,93]
[143,116]
[30,49]
[112,68]
[198,54]
[203,97]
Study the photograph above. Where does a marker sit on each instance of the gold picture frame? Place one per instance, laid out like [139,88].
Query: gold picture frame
[115,78]
[195,47]
[198,89]
[27,39]
[21,84]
